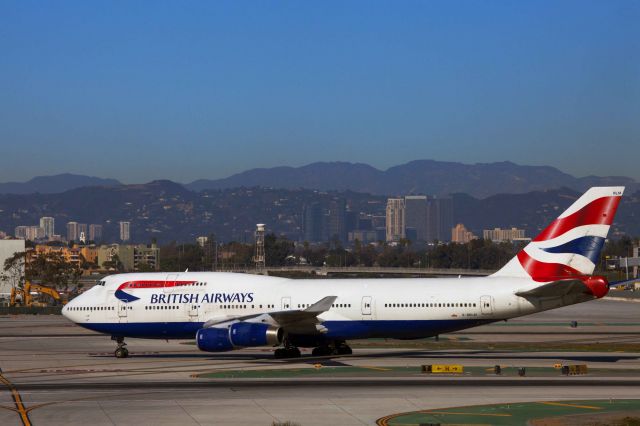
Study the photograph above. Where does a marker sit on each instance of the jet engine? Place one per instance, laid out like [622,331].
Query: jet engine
[239,334]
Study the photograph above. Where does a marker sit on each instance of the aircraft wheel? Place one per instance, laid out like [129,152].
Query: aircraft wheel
[122,353]
[321,351]
[344,350]
[293,353]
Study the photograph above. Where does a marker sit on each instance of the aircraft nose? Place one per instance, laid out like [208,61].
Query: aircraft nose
[67,310]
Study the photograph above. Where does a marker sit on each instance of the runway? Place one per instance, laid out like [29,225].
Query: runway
[65,375]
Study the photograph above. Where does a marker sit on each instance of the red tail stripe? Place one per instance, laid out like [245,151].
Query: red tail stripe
[598,212]
[543,272]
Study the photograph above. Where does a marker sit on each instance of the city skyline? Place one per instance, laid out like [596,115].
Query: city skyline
[211,89]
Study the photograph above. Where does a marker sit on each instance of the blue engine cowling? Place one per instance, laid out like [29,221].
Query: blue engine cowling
[240,334]
[213,340]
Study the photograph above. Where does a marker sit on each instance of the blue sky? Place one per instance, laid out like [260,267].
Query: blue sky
[184,90]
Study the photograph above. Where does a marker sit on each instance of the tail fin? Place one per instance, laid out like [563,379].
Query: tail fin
[570,246]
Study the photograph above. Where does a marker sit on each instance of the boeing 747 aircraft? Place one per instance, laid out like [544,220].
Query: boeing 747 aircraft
[225,311]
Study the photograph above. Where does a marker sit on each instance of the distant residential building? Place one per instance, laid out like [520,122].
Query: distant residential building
[148,255]
[500,235]
[439,219]
[20,232]
[125,231]
[95,232]
[120,253]
[75,255]
[48,225]
[312,223]
[395,219]
[129,257]
[202,241]
[73,233]
[460,234]
[415,217]
[364,236]
[31,233]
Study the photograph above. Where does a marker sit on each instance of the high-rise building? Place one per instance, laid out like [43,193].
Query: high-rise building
[95,232]
[460,234]
[439,219]
[415,217]
[312,223]
[338,220]
[34,233]
[395,219]
[48,224]
[72,231]
[499,235]
[125,231]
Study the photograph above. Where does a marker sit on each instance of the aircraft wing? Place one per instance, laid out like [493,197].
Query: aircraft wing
[294,320]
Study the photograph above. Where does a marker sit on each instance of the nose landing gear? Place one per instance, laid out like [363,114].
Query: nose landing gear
[121,351]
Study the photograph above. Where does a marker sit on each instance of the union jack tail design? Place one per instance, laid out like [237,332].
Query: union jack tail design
[570,246]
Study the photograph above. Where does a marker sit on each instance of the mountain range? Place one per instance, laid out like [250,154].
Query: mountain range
[54,184]
[416,177]
[430,177]
[168,211]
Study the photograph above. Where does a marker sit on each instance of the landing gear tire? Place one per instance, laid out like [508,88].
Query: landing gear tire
[322,351]
[343,350]
[121,351]
[283,353]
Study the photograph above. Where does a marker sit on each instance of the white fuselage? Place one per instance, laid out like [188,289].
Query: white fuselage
[400,308]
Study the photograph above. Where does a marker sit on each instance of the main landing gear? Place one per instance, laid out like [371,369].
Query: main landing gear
[336,348]
[289,351]
[121,351]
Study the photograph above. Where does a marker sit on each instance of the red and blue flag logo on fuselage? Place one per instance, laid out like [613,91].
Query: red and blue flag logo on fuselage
[125,296]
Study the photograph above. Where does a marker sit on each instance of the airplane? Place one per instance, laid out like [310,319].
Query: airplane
[226,311]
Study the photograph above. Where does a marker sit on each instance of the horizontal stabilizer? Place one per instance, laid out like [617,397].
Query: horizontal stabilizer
[556,289]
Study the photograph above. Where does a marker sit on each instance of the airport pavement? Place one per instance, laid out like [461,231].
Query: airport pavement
[63,374]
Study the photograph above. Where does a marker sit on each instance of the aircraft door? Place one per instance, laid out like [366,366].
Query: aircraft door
[111,301]
[170,283]
[122,311]
[367,302]
[286,303]
[486,307]
[193,312]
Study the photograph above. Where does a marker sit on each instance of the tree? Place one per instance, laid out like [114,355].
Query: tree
[276,250]
[50,269]
[14,270]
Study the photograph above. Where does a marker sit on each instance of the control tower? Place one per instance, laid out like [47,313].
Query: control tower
[259,258]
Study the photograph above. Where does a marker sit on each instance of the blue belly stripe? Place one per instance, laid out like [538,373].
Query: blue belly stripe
[337,330]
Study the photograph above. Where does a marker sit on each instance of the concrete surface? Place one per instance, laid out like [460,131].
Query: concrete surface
[66,375]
